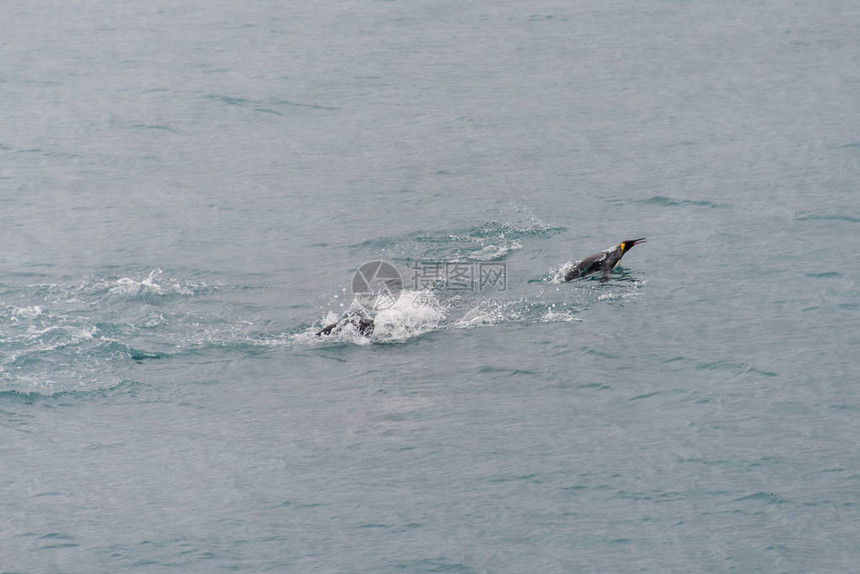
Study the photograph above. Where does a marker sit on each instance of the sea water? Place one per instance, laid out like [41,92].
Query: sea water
[188,190]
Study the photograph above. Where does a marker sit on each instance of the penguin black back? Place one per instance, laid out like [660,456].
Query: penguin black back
[363,325]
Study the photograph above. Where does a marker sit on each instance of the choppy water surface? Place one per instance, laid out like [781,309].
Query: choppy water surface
[188,189]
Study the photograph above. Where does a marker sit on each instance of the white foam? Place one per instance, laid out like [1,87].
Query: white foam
[552,316]
[481,316]
[154,284]
[128,286]
[493,252]
[556,274]
[414,313]
[19,313]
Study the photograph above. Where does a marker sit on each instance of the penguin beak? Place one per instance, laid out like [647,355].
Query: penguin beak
[638,241]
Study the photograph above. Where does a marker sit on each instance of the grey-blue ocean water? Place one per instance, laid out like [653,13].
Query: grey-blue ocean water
[187,189]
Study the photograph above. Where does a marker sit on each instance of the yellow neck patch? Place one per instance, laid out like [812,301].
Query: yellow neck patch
[623,245]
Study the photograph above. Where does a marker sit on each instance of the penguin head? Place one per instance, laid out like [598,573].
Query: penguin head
[628,243]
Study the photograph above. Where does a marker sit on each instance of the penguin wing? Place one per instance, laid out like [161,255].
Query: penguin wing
[608,265]
[326,330]
[607,271]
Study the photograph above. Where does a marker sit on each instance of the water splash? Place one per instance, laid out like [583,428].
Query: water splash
[88,334]
[415,313]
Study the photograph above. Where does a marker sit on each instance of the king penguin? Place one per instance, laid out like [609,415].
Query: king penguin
[604,261]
